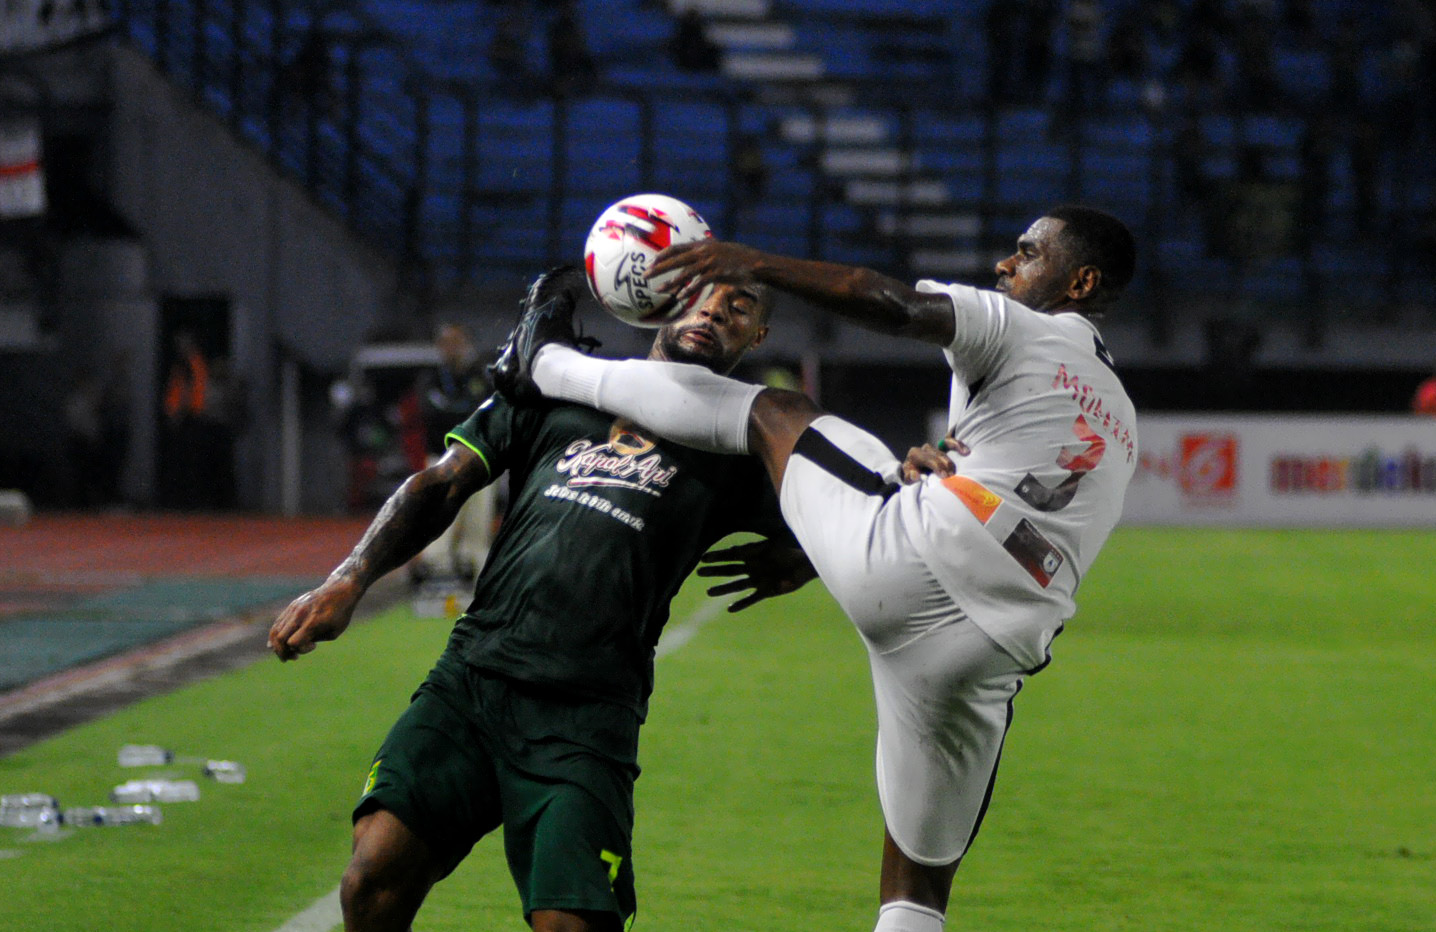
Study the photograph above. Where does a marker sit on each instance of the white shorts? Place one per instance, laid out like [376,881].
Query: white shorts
[943,688]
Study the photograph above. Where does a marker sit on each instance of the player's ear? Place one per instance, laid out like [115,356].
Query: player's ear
[759,336]
[1085,282]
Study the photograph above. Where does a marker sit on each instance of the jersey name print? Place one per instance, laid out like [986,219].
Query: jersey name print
[1092,403]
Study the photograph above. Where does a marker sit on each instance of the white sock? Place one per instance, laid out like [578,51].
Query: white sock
[902,916]
[680,401]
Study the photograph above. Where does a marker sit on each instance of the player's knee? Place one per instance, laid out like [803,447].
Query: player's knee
[389,863]
[778,412]
[358,887]
[555,920]
[784,403]
[376,898]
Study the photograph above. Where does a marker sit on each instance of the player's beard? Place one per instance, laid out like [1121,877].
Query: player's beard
[670,340]
[1041,296]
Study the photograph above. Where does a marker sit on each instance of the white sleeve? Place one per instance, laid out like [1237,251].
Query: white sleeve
[981,322]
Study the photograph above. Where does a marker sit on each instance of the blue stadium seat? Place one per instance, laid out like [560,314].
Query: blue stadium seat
[1272,131]
[1302,73]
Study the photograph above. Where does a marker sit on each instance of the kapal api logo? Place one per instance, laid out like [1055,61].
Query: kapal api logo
[628,461]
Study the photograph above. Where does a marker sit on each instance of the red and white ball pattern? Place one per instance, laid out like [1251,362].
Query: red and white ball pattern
[621,247]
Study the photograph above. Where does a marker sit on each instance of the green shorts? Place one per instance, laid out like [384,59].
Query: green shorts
[474,751]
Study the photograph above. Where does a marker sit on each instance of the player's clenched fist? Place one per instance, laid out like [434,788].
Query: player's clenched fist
[319,615]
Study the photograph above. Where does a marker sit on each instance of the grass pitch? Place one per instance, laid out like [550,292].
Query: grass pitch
[1236,734]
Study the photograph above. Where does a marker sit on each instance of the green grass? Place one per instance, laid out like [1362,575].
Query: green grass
[1236,734]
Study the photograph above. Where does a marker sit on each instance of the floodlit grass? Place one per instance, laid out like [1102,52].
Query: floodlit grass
[1236,734]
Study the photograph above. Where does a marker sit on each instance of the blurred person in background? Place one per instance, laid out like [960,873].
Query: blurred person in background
[1086,61]
[447,394]
[220,424]
[307,80]
[571,65]
[508,52]
[97,434]
[1039,23]
[183,465]
[691,48]
[957,568]
[1019,50]
[451,391]
[1003,48]
[530,718]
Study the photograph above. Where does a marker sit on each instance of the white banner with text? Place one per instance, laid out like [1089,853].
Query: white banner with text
[1284,471]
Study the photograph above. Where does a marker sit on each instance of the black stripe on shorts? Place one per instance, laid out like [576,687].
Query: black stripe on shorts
[821,451]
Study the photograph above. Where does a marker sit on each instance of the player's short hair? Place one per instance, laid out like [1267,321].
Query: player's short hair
[1095,237]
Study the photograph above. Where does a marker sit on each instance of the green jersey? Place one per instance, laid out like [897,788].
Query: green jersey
[604,524]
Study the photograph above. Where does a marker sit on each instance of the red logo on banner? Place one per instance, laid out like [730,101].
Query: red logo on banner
[1207,465]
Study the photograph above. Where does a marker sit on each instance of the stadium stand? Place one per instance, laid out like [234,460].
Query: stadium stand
[331,175]
[872,115]
[880,141]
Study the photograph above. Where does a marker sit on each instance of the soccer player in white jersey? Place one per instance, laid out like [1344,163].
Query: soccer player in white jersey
[959,567]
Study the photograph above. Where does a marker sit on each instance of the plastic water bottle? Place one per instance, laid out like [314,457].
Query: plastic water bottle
[18,817]
[49,821]
[156,791]
[224,771]
[112,815]
[27,810]
[144,755]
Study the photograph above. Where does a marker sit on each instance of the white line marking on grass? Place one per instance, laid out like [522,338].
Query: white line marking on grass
[675,637]
[322,916]
[325,914]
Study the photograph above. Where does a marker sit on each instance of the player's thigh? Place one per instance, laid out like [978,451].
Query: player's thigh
[842,507]
[567,786]
[569,849]
[944,706]
[434,772]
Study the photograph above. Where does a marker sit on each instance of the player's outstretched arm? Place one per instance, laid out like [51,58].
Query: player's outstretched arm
[417,513]
[768,567]
[863,296]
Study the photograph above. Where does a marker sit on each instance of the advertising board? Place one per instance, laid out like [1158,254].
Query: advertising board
[1284,471]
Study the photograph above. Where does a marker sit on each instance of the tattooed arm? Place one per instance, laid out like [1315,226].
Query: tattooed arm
[417,513]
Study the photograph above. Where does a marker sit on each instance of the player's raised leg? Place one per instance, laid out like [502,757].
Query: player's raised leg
[682,402]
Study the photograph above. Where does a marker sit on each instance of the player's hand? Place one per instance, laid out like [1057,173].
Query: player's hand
[929,460]
[702,263]
[766,567]
[321,614]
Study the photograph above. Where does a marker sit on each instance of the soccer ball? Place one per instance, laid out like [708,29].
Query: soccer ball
[621,247]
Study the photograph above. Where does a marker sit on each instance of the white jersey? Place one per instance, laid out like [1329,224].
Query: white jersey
[1053,437]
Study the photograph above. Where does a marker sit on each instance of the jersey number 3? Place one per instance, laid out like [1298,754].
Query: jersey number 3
[1077,460]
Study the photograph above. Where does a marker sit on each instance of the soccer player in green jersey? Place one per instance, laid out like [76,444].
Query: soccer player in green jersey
[530,717]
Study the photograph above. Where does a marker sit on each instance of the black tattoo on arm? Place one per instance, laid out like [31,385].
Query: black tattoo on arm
[417,513]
